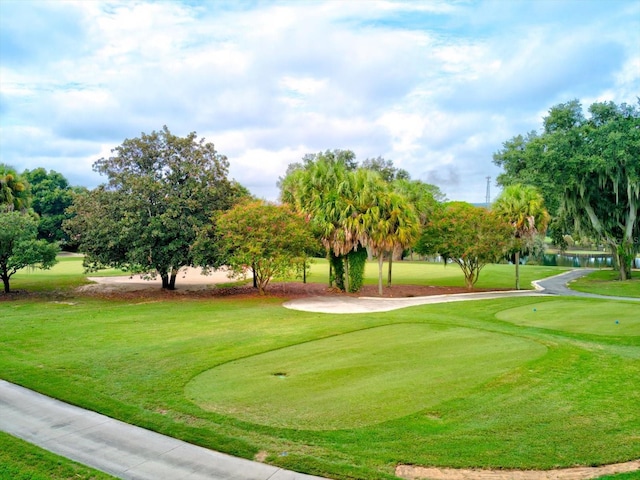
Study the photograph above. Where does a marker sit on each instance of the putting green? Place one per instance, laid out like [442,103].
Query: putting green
[579,316]
[359,378]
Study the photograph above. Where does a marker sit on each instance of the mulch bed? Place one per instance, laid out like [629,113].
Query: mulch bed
[284,291]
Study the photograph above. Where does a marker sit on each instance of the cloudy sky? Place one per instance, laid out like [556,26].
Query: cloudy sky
[436,86]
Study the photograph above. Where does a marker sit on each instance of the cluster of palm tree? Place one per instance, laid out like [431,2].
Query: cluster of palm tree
[353,209]
[356,208]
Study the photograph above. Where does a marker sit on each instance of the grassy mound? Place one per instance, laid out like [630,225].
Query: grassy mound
[579,316]
[359,378]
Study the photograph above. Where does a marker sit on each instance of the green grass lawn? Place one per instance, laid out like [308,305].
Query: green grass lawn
[20,460]
[499,276]
[479,384]
[68,273]
[604,282]
[513,383]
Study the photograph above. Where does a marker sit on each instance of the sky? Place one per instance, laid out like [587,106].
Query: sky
[435,86]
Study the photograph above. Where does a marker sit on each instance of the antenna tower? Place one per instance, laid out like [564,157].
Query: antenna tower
[488,198]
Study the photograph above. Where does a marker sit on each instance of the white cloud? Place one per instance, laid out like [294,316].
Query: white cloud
[436,86]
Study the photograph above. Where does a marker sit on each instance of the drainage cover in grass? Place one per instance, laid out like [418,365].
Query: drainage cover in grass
[359,378]
[579,316]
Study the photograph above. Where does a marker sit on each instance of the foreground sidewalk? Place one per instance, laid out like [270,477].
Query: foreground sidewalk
[122,450]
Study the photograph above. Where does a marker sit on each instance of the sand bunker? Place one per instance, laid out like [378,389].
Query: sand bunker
[188,279]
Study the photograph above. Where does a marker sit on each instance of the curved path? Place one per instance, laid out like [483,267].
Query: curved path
[131,452]
[556,285]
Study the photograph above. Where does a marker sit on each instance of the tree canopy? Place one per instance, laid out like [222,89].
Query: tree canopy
[271,240]
[326,190]
[374,206]
[51,196]
[471,237]
[387,170]
[587,169]
[19,247]
[162,190]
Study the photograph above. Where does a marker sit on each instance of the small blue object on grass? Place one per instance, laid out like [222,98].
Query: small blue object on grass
[617,322]
[535,310]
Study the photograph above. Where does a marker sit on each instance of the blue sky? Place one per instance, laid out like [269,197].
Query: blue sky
[435,86]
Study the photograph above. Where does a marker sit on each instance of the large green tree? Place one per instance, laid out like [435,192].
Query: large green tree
[387,170]
[19,247]
[51,196]
[162,190]
[522,206]
[589,167]
[271,240]
[471,237]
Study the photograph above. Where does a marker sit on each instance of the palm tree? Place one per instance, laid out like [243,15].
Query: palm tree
[392,223]
[522,206]
[321,191]
[14,190]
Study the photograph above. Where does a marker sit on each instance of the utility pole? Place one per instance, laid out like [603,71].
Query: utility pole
[488,198]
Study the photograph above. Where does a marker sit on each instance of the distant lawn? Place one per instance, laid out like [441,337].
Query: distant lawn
[498,276]
[20,460]
[605,282]
[69,273]
[482,384]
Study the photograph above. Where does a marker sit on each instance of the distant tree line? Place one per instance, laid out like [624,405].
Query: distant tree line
[168,203]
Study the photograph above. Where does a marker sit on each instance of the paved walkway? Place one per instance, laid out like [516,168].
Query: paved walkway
[130,452]
[550,286]
[379,304]
[120,449]
[557,285]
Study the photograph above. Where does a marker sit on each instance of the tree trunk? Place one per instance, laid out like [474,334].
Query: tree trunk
[304,270]
[5,280]
[380,262]
[253,273]
[623,257]
[389,271]
[165,279]
[518,270]
[346,273]
[172,279]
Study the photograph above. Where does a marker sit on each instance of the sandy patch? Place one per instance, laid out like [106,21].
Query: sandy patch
[188,279]
[412,472]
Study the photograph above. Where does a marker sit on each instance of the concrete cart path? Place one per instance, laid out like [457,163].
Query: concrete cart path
[556,285]
[375,304]
[117,448]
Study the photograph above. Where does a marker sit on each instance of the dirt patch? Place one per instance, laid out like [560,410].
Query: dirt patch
[261,456]
[284,290]
[412,472]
